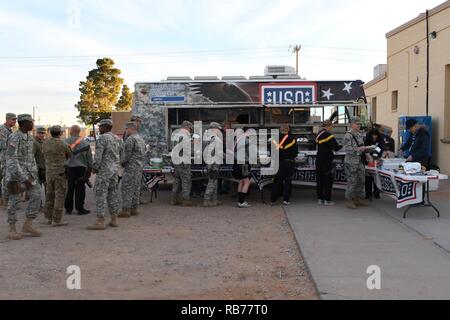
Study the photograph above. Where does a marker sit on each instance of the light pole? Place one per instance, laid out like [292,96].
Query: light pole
[296,49]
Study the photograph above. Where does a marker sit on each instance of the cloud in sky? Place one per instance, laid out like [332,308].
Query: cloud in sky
[199,37]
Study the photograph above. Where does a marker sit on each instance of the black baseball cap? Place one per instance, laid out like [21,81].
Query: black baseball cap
[410,123]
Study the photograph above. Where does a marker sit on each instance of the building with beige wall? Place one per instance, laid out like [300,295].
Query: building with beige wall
[400,88]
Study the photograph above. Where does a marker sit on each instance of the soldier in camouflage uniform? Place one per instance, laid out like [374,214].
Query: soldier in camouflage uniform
[5,132]
[133,162]
[38,154]
[354,168]
[214,145]
[106,166]
[56,152]
[22,175]
[182,172]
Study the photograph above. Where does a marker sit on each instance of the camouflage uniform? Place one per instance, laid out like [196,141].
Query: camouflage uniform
[5,132]
[133,163]
[213,170]
[56,153]
[40,160]
[354,168]
[182,174]
[20,167]
[107,163]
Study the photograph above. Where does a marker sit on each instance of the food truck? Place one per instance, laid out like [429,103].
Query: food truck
[280,96]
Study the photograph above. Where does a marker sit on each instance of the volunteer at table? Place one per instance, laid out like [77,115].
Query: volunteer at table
[418,143]
[373,138]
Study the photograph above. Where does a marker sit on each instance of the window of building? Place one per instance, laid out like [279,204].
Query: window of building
[394,101]
[374,109]
[447,102]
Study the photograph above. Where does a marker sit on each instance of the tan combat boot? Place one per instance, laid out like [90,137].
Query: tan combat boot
[207,204]
[134,212]
[126,213]
[99,225]
[59,224]
[187,203]
[13,235]
[58,219]
[175,201]
[113,222]
[216,203]
[351,205]
[28,228]
[361,203]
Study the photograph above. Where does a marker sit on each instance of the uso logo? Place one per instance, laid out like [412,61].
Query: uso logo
[288,93]
[407,190]
[387,185]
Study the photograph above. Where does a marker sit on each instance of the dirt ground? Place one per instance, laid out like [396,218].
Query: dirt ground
[165,253]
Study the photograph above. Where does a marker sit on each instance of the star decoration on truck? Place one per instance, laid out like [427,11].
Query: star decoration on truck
[327,94]
[348,87]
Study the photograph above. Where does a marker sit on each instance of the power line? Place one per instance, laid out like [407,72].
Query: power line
[186,53]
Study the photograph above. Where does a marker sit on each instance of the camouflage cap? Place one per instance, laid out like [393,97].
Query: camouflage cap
[129,125]
[24,117]
[215,125]
[11,116]
[55,129]
[106,122]
[41,130]
[187,125]
[136,118]
[355,120]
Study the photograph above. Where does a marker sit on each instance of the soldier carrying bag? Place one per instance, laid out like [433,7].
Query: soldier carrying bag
[363,155]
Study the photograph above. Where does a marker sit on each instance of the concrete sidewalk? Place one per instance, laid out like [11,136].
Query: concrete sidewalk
[340,244]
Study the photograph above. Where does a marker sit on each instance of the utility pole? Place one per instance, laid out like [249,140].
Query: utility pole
[296,49]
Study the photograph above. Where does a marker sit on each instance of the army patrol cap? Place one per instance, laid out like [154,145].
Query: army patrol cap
[11,116]
[187,125]
[356,120]
[136,118]
[24,117]
[41,130]
[129,125]
[55,129]
[106,122]
[215,125]
[327,123]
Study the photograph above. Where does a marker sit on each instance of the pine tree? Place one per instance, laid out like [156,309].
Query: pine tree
[126,100]
[100,92]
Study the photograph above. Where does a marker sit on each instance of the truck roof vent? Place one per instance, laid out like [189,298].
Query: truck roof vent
[208,78]
[179,79]
[261,78]
[228,78]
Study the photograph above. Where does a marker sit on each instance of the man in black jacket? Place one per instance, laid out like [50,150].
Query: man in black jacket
[418,143]
[288,151]
[326,146]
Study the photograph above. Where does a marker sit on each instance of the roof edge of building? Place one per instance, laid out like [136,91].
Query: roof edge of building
[375,80]
[418,19]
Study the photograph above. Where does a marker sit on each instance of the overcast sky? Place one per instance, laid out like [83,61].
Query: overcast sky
[47,47]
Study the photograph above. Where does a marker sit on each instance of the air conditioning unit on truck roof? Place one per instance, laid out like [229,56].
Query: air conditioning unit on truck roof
[280,71]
